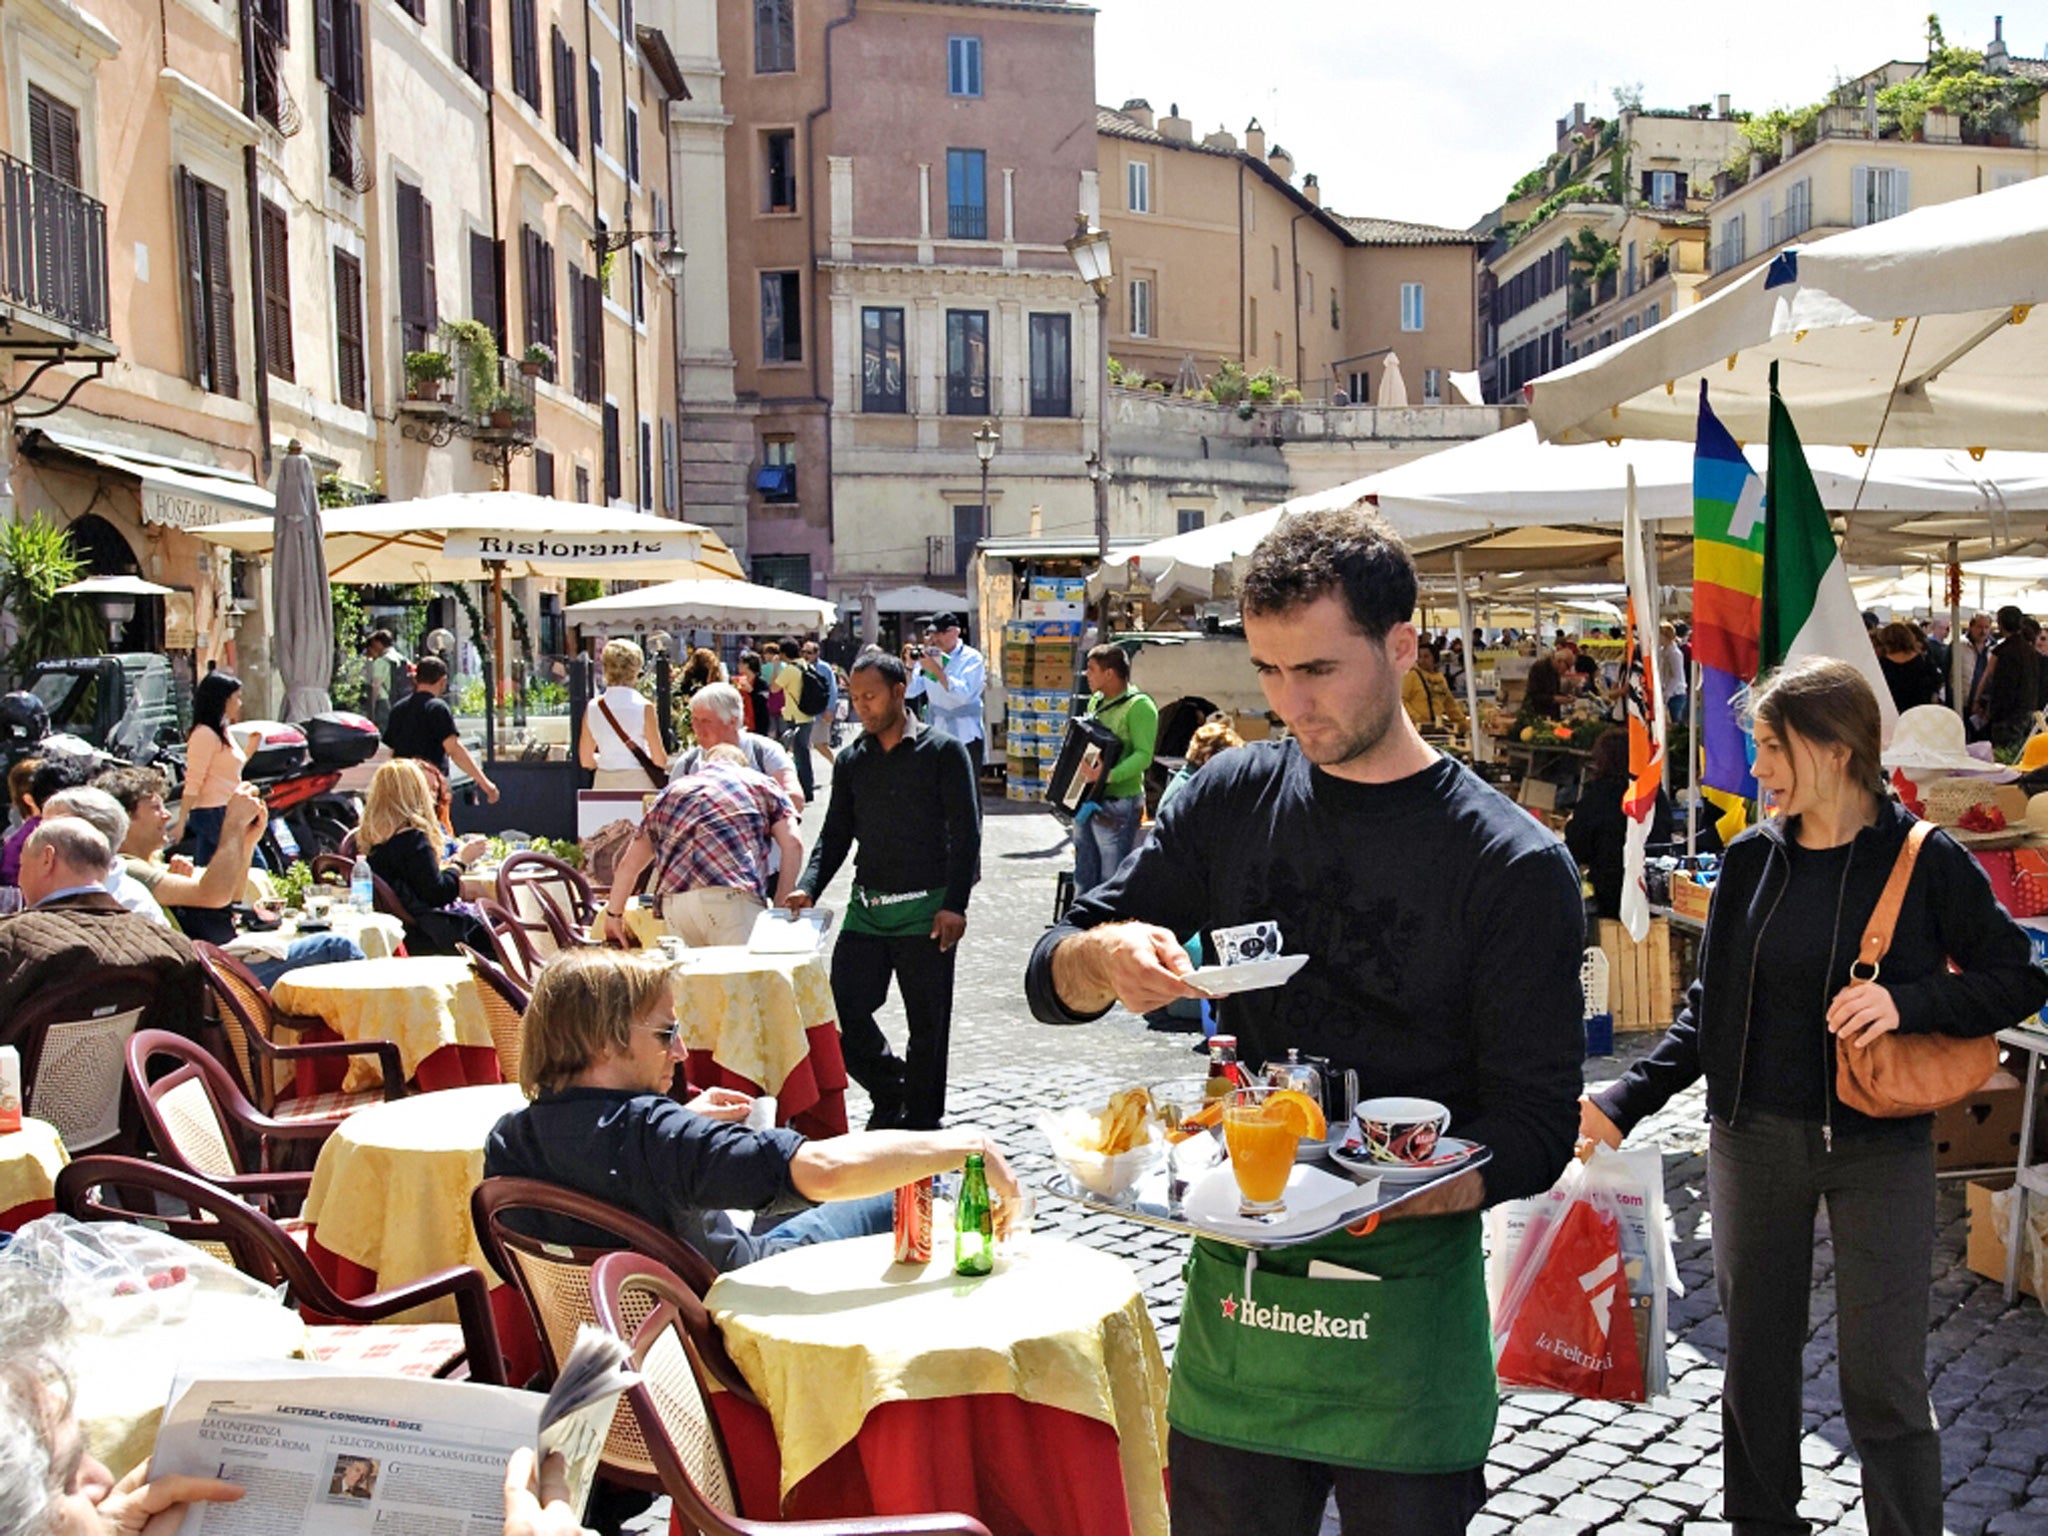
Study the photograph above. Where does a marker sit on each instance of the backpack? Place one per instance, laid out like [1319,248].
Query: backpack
[813,695]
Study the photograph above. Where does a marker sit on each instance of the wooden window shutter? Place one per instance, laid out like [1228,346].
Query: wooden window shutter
[484,302]
[481,62]
[220,292]
[594,294]
[412,307]
[193,239]
[529,284]
[277,291]
[430,288]
[579,340]
[323,41]
[459,33]
[348,329]
[547,308]
[53,137]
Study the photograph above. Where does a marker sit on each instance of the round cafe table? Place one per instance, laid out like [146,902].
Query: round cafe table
[764,1024]
[29,1161]
[389,1204]
[428,1005]
[1033,1399]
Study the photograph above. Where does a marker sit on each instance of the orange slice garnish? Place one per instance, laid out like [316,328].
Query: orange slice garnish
[1303,1112]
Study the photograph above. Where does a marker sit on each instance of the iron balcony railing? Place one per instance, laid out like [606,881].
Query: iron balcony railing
[53,248]
[967,221]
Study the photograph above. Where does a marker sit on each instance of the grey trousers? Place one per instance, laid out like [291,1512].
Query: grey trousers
[1765,1182]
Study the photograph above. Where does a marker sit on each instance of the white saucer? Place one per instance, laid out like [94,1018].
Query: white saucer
[1453,1152]
[1313,1197]
[1246,976]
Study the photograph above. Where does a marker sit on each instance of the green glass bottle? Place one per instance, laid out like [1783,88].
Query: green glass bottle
[974,1222]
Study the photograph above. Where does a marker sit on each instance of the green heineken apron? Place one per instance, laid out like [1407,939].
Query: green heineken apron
[893,914]
[1393,1374]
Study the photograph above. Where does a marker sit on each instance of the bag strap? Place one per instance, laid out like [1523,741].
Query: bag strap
[1877,934]
[646,763]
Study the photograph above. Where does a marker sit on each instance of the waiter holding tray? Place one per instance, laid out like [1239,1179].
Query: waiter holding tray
[1443,928]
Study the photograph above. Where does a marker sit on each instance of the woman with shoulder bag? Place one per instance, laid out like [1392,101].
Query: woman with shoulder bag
[621,738]
[1785,1035]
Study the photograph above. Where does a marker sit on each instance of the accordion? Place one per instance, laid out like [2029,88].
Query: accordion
[1065,790]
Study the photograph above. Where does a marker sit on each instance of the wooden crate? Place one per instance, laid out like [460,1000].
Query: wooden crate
[1641,993]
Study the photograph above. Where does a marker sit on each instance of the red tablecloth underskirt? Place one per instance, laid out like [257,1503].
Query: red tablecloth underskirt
[1021,1469]
[452,1066]
[812,1098]
[516,1339]
[15,1219]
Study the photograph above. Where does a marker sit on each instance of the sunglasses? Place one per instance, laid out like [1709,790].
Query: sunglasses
[666,1034]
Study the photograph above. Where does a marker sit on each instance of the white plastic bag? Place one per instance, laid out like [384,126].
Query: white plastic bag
[120,1277]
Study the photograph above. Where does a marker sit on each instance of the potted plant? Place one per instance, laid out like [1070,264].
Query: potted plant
[479,350]
[425,373]
[538,360]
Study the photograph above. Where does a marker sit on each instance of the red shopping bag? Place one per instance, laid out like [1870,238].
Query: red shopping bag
[1570,1327]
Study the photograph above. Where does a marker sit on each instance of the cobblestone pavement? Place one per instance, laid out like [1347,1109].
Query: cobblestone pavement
[1558,1467]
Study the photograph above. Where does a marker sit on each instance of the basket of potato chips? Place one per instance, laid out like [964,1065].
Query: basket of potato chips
[1108,1150]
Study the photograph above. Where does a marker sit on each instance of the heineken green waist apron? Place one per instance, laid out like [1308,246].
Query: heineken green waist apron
[893,914]
[1392,1373]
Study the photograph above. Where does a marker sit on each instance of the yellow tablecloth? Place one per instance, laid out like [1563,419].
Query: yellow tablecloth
[391,1190]
[419,1002]
[480,883]
[29,1160]
[750,1011]
[375,934]
[825,1334]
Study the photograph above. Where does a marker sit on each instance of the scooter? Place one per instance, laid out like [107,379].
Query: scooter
[297,769]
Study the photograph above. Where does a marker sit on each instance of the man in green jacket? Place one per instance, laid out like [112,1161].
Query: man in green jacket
[1103,838]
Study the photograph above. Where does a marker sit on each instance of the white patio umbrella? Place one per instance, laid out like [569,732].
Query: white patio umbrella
[1914,332]
[700,604]
[302,602]
[918,600]
[114,586]
[1393,388]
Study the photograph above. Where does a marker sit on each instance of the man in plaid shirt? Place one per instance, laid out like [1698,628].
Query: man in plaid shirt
[710,837]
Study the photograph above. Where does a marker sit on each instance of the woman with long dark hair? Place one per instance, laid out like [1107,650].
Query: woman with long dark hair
[214,760]
[1774,1002]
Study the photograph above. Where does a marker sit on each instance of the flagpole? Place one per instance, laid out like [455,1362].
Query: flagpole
[1692,751]
[1471,654]
[1955,639]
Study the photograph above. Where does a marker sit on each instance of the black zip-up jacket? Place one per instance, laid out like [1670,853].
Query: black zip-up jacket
[1949,914]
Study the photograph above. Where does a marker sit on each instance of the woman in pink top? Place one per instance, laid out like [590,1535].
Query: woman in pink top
[213,760]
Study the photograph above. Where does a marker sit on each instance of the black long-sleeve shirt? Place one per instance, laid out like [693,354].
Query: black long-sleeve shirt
[412,867]
[1597,835]
[913,811]
[1444,929]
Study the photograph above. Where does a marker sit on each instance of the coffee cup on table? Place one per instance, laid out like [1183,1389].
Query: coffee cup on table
[1397,1130]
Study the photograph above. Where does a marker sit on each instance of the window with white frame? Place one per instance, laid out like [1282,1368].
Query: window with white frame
[1432,386]
[1877,193]
[1141,306]
[1663,189]
[963,66]
[1138,186]
[1411,306]
[1652,315]
[1358,385]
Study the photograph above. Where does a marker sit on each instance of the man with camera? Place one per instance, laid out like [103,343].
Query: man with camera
[950,675]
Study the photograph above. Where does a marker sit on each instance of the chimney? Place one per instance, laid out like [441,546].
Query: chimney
[1578,114]
[1996,60]
[1721,105]
[1139,111]
[1174,126]
[1281,163]
[1222,138]
[1311,188]
[1255,140]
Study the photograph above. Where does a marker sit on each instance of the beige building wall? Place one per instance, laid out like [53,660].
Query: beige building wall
[1446,342]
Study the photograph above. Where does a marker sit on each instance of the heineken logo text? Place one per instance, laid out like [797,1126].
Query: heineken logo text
[1311,1325]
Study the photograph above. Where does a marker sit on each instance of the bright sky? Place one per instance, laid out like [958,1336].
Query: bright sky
[1431,111]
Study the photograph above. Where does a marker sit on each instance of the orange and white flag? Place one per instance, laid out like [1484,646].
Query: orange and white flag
[1645,694]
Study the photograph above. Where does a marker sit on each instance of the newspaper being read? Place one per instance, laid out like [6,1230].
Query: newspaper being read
[316,1450]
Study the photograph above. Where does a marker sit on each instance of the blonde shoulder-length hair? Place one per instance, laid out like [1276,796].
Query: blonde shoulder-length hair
[400,797]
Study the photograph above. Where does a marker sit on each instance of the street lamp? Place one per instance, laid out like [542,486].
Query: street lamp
[671,255]
[985,443]
[1090,251]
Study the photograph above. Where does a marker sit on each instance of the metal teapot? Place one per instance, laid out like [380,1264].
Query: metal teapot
[1335,1090]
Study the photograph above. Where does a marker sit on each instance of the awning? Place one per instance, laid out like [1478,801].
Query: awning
[175,494]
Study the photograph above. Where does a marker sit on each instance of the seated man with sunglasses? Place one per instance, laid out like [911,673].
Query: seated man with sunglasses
[597,1055]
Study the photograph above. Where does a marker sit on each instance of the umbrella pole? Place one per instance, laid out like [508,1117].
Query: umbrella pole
[1471,655]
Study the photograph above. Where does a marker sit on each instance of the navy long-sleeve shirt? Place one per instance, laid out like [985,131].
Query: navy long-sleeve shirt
[1444,929]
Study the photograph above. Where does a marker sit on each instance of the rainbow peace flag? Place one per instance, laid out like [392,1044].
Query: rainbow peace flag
[1727,596]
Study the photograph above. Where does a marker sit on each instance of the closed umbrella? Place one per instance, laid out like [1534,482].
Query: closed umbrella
[302,626]
[1393,388]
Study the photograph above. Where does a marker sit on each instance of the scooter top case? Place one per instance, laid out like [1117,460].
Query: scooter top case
[339,739]
[275,749]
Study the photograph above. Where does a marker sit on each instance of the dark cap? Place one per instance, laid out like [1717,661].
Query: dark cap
[945,621]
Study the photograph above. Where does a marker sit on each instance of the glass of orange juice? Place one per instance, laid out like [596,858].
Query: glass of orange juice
[1260,1135]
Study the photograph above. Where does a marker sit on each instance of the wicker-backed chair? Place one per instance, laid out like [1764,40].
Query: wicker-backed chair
[199,1212]
[504,1003]
[539,886]
[554,1281]
[201,1123]
[71,1036]
[253,1023]
[333,869]
[673,1339]
[516,942]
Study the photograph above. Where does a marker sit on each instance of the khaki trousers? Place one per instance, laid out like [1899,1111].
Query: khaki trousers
[712,914]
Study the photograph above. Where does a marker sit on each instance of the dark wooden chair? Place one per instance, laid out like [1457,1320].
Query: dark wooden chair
[539,885]
[201,1212]
[553,1279]
[201,1124]
[254,1025]
[71,1035]
[675,1347]
[517,942]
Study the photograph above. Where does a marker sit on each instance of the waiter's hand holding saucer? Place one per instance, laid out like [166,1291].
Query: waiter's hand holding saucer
[1140,965]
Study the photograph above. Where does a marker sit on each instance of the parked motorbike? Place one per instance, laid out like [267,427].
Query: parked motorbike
[298,769]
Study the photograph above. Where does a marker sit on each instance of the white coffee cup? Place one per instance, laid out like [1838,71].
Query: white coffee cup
[1402,1130]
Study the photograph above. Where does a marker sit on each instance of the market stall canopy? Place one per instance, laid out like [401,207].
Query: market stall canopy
[706,605]
[465,535]
[919,600]
[1913,332]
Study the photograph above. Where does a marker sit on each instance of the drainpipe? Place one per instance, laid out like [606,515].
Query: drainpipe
[640,449]
[1242,321]
[1294,250]
[259,317]
[818,394]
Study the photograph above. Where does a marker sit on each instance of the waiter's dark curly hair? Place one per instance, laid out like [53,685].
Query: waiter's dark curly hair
[1316,553]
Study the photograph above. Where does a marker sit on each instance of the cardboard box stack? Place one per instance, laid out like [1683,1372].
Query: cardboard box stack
[1041,656]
